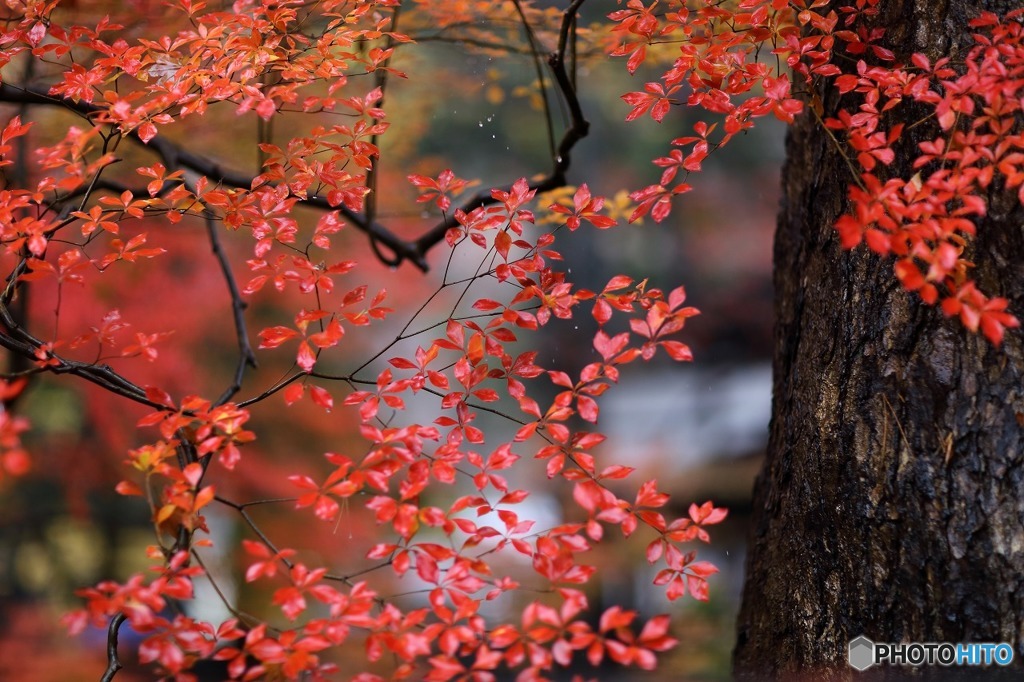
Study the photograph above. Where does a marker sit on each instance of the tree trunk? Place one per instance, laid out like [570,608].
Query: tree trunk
[891,503]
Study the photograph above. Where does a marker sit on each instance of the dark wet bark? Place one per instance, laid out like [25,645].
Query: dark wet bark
[891,503]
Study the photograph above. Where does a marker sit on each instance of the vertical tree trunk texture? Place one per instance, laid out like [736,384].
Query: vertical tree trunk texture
[891,503]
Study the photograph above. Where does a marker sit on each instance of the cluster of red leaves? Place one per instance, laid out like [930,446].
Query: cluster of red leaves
[452,523]
[925,221]
[714,64]
[465,368]
[175,644]
[216,61]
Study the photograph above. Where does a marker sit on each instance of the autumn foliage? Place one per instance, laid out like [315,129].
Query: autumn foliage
[926,221]
[456,418]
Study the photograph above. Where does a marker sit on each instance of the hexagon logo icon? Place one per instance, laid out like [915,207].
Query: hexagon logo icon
[861,653]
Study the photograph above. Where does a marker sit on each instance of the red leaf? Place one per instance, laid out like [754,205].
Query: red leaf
[272,337]
[610,347]
[588,408]
[305,358]
[321,397]
[679,352]
[159,396]
[128,488]
[293,393]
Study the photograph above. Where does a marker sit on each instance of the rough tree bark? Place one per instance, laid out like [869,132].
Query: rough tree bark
[891,503]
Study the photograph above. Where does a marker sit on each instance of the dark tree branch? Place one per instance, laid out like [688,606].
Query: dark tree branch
[246,355]
[176,157]
[381,81]
[19,175]
[577,130]
[17,340]
[113,662]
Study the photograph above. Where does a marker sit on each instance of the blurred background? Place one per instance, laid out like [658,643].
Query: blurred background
[700,429]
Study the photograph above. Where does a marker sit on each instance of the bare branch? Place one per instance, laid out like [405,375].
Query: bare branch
[538,65]
[246,355]
[113,662]
[577,130]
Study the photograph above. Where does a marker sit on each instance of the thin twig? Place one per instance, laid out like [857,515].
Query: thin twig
[246,355]
[381,81]
[20,341]
[113,662]
[577,130]
[243,617]
[538,66]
